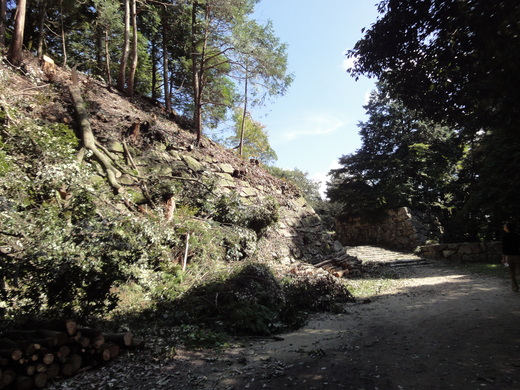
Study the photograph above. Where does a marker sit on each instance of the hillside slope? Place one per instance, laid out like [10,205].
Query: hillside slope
[178,205]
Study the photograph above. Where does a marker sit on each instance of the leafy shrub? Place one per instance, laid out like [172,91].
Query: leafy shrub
[230,209]
[64,247]
[263,215]
[251,301]
[239,243]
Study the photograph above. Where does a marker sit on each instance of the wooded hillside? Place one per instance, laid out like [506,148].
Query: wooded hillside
[130,232]
[198,59]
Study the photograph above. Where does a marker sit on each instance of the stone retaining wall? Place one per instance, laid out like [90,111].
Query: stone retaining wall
[401,229]
[463,252]
[299,233]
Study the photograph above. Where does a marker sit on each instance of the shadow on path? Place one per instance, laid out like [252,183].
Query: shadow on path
[429,327]
[437,327]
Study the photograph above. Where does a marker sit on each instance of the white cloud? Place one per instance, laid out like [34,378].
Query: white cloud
[312,125]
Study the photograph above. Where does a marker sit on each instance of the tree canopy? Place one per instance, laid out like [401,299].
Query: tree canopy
[191,56]
[403,161]
[253,138]
[225,43]
[455,62]
[310,188]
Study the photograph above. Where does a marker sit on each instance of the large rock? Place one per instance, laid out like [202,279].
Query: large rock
[192,163]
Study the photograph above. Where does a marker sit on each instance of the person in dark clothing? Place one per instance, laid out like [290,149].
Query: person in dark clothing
[511,252]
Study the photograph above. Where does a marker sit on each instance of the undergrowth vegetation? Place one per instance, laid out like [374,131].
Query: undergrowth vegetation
[252,301]
[71,246]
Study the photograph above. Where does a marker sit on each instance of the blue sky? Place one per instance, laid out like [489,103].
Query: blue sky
[315,123]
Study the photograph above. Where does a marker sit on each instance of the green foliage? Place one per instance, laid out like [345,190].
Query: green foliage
[239,244]
[224,39]
[328,212]
[311,295]
[67,251]
[449,59]
[309,188]
[487,203]
[219,91]
[39,157]
[455,62]
[72,258]
[262,215]
[65,254]
[245,303]
[262,61]
[194,336]
[403,161]
[255,139]
[229,47]
[230,209]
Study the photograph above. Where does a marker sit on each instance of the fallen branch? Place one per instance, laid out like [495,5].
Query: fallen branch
[324,263]
[129,157]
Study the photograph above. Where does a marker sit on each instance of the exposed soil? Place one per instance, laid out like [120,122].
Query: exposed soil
[430,327]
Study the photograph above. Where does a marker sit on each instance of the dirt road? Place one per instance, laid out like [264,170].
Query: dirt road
[430,327]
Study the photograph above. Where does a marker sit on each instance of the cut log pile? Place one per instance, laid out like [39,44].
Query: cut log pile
[341,266]
[47,350]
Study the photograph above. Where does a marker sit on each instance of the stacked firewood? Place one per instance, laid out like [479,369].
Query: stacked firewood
[341,266]
[43,351]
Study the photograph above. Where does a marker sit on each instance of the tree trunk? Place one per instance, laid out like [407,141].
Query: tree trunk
[244,113]
[195,59]
[63,41]
[41,29]
[107,62]
[69,326]
[3,12]
[153,54]
[89,140]
[122,339]
[126,46]
[133,65]
[166,71]
[100,48]
[14,55]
